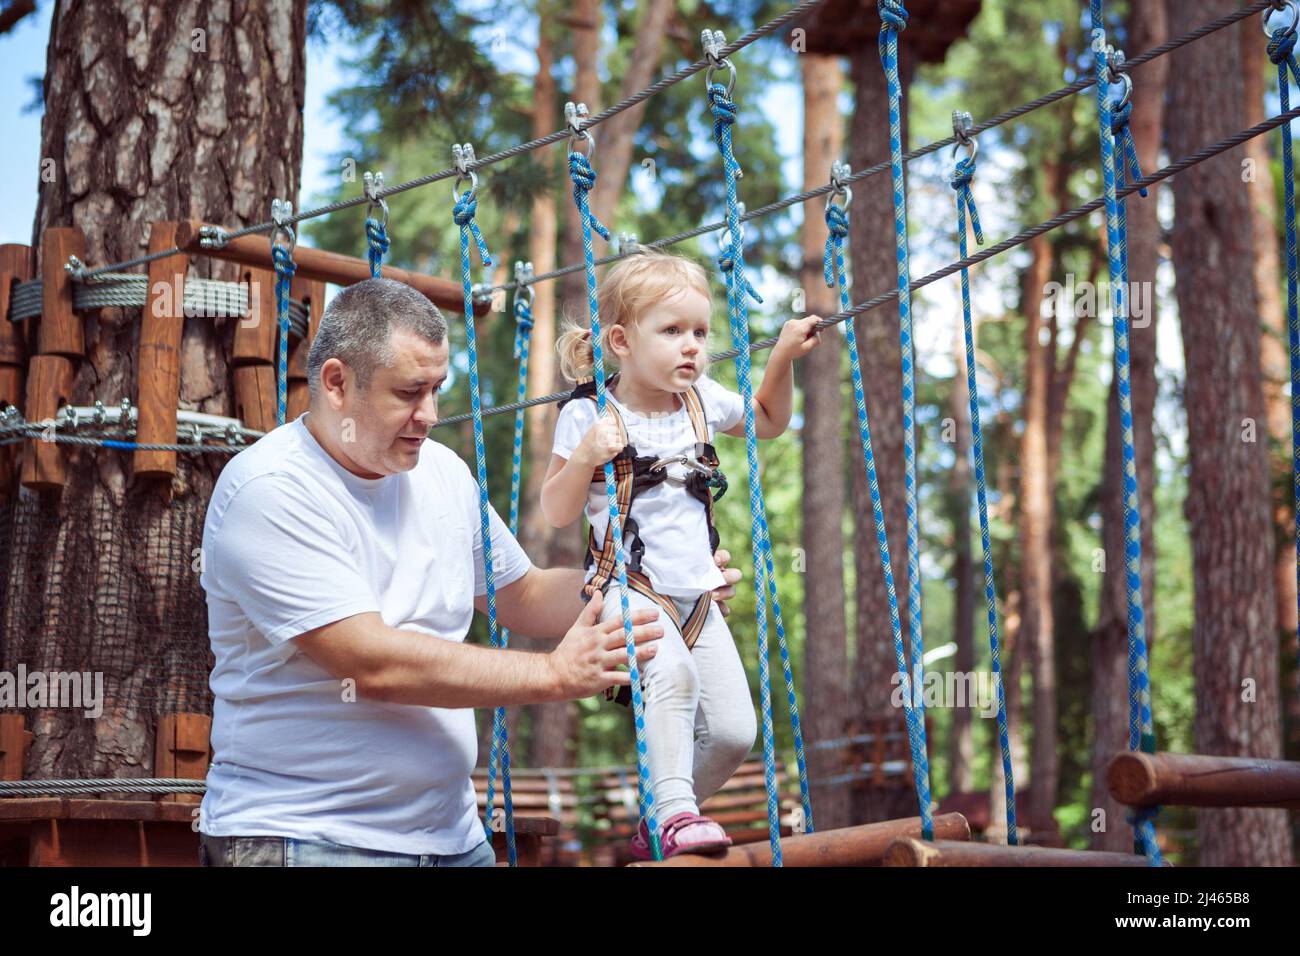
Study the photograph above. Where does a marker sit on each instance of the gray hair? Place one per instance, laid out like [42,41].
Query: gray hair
[358,325]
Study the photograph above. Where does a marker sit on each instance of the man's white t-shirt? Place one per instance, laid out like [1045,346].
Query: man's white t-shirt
[293,541]
[671,522]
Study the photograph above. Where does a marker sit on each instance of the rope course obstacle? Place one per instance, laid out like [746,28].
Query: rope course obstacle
[1142,778]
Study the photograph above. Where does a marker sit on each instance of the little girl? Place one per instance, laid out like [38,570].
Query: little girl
[663,413]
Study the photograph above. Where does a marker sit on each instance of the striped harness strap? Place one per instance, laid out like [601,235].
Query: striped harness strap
[634,474]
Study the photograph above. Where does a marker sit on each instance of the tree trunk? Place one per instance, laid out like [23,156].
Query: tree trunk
[152,113]
[1035,632]
[1235,633]
[873,252]
[1273,334]
[1148,27]
[618,132]
[554,725]
[826,644]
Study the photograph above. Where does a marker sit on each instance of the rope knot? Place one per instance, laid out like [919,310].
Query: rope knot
[728,259]
[1141,815]
[893,15]
[282,256]
[466,206]
[1119,119]
[837,221]
[584,178]
[722,106]
[1281,45]
[963,173]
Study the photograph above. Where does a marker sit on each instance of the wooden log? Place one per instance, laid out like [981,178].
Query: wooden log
[256,334]
[311,294]
[181,749]
[255,250]
[255,396]
[850,846]
[158,369]
[942,853]
[1194,780]
[60,331]
[15,738]
[49,386]
[15,267]
[11,393]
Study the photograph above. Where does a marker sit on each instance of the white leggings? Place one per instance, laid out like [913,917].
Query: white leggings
[699,717]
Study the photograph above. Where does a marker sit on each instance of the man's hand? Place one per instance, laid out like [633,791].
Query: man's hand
[584,662]
[732,575]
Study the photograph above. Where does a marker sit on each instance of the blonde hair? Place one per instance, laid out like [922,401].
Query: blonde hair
[630,285]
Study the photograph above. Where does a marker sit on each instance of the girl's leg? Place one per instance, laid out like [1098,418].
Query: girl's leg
[725,726]
[671,693]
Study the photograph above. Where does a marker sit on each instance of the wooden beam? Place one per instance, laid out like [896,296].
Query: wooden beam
[256,334]
[158,370]
[15,738]
[850,846]
[944,853]
[60,331]
[255,396]
[181,751]
[15,267]
[1193,780]
[255,250]
[49,386]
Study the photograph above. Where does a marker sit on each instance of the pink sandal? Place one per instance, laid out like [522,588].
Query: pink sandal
[682,833]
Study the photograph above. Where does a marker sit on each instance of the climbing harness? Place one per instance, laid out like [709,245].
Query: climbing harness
[634,474]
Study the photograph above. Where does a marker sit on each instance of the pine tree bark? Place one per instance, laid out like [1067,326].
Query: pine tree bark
[873,253]
[1148,27]
[961,745]
[153,112]
[826,642]
[1235,632]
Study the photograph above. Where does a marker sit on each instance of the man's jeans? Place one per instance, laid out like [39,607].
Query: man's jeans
[290,851]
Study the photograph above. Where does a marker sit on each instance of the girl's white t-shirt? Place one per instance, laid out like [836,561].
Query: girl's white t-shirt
[671,522]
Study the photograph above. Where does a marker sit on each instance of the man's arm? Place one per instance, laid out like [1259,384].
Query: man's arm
[543,604]
[409,667]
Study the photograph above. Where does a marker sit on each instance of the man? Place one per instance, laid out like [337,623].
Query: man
[342,564]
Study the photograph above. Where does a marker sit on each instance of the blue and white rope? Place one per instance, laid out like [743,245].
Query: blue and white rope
[833,270]
[584,177]
[282,258]
[732,263]
[377,246]
[893,20]
[1141,729]
[500,734]
[463,211]
[961,181]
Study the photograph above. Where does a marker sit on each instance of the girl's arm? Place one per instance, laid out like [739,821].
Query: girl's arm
[564,491]
[774,400]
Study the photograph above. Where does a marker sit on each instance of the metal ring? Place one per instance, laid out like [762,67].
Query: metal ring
[971,143]
[281,216]
[731,74]
[1127,82]
[372,185]
[473,187]
[1290,28]
[578,137]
